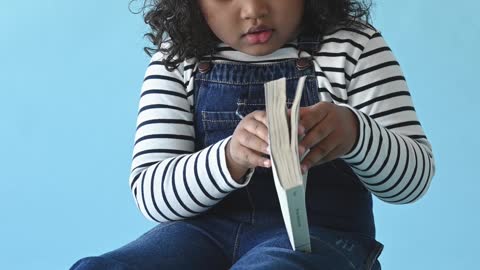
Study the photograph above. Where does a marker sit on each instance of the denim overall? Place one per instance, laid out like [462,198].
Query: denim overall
[246,230]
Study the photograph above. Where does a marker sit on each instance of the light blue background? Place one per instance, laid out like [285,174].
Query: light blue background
[70,74]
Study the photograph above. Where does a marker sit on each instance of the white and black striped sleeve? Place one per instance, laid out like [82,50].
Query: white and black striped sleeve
[392,155]
[168,180]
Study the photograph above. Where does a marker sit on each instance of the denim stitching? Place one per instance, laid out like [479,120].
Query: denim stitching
[237,242]
[205,133]
[249,83]
[226,120]
[335,249]
[260,104]
[250,200]
[252,104]
[233,63]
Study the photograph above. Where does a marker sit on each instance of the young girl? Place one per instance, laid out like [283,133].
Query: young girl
[200,166]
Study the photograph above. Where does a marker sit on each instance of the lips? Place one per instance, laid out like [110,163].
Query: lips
[258,34]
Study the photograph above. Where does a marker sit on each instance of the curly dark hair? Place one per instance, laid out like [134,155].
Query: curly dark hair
[180,24]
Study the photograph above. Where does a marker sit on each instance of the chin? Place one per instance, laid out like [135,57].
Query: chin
[259,51]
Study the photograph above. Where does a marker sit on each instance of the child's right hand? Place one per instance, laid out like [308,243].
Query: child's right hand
[248,144]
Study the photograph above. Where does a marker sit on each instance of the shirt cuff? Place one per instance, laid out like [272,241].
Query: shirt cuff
[223,167]
[357,146]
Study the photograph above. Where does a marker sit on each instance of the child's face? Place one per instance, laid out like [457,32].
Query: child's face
[255,27]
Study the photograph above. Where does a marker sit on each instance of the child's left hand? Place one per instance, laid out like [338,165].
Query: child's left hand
[330,132]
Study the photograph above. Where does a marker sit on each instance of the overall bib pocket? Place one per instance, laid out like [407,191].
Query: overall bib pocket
[218,125]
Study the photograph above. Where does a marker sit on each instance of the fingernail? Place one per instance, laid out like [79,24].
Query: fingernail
[304,169]
[301,129]
[301,150]
[266,163]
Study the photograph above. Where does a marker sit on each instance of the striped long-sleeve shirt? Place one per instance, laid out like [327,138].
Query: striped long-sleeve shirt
[392,157]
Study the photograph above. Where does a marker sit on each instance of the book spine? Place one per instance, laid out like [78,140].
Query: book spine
[300,236]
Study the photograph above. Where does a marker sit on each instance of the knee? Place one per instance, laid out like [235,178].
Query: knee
[100,263]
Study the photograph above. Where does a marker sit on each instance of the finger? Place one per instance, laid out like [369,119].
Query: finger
[301,130]
[252,141]
[320,151]
[253,159]
[311,115]
[334,154]
[318,133]
[258,129]
[260,116]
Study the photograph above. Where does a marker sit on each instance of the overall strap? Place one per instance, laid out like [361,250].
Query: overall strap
[309,43]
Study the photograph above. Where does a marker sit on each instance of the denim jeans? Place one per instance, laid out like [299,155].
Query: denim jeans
[210,242]
[245,230]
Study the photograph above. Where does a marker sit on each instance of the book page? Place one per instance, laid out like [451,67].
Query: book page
[294,120]
[287,176]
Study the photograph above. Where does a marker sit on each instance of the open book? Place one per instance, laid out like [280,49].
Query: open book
[283,145]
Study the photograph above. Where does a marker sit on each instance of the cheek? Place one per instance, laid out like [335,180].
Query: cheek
[291,14]
[222,27]
[297,12]
[209,14]
[298,7]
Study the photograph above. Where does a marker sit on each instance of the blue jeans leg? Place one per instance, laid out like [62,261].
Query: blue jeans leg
[330,250]
[175,245]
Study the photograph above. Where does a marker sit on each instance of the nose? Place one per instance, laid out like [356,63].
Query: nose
[254,9]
